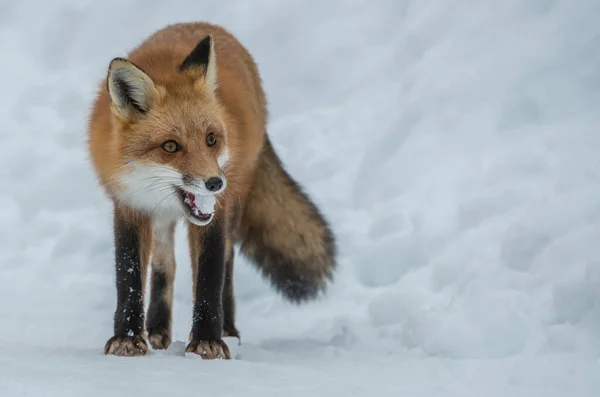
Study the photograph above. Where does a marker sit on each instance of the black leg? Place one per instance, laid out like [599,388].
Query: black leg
[158,323]
[208,308]
[229,328]
[207,322]
[129,314]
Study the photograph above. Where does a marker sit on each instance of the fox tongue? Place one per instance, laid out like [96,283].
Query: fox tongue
[200,205]
[191,198]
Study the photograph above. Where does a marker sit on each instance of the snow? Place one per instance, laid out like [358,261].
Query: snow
[205,203]
[452,145]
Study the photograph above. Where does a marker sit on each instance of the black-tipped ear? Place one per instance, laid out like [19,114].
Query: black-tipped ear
[131,90]
[200,55]
[203,57]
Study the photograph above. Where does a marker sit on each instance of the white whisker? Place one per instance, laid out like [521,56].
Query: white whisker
[151,188]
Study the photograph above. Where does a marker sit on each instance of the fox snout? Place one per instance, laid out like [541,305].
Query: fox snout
[214,184]
[206,186]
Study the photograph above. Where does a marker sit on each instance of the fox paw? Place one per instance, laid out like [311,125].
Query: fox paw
[126,346]
[209,349]
[159,338]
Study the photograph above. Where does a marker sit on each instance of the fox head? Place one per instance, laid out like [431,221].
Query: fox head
[172,136]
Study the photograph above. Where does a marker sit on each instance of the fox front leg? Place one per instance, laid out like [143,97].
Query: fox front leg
[131,256]
[207,246]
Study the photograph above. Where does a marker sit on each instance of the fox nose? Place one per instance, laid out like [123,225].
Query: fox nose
[213,184]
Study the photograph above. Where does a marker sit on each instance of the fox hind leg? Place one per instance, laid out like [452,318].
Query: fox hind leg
[229,328]
[159,317]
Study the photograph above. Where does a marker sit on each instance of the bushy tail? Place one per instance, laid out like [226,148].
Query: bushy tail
[284,234]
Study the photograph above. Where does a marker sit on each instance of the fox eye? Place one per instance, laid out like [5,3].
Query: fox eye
[171,146]
[211,139]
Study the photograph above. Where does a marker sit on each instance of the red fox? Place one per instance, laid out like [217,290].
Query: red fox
[178,131]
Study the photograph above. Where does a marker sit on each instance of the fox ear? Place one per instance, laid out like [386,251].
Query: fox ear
[203,58]
[131,90]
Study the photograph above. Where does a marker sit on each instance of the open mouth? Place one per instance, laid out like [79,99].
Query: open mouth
[198,209]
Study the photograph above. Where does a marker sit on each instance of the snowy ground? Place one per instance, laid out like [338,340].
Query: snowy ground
[453,145]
